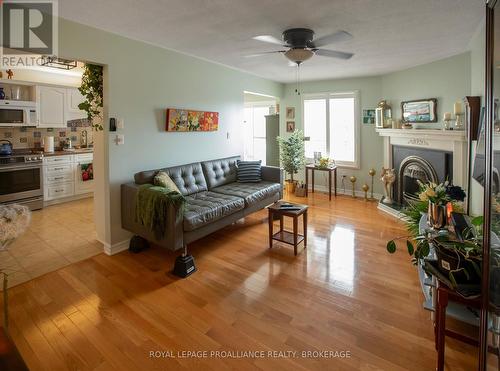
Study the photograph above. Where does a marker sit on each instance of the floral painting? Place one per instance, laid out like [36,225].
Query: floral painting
[189,120]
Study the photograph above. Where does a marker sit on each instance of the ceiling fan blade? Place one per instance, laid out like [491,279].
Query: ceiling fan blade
[264,53]
[333,38]
[333,54]
[269,39]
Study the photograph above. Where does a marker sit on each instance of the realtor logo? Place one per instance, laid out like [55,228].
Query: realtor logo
[29,27]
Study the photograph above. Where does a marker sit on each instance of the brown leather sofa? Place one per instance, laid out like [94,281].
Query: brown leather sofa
[214,199]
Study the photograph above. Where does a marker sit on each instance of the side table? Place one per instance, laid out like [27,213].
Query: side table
[330,169]
[292,238]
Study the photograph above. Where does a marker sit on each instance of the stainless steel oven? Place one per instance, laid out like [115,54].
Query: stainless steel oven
[21,180]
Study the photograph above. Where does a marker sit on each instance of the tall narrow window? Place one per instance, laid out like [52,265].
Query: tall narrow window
[331,123]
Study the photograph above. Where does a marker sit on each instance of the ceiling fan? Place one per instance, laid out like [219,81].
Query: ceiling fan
[301,45]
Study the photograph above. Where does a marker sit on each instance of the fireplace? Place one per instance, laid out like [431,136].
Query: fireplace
[412,170]
[415,164]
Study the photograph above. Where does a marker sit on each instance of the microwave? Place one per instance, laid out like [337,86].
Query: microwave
[17,113]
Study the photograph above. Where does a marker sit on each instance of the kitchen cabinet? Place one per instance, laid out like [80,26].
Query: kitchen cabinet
[73,99]
[62,177]
[51,103]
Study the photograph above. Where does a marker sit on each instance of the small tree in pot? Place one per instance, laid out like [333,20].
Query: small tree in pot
[292,155]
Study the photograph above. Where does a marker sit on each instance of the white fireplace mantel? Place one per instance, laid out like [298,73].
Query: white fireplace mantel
[454,141]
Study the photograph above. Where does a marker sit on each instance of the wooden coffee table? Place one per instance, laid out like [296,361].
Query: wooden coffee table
[292,238]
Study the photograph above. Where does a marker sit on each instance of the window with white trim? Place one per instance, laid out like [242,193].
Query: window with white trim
[255,130]
[331,122]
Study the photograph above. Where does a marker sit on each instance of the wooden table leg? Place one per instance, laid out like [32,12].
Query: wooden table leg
[312,180]
[281,223]
[307,180]
[304,220]
[442,303]
[330,185]
[335,181]
[295,233]
[270,217]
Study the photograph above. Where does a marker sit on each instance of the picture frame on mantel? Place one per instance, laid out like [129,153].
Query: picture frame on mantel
[419,111]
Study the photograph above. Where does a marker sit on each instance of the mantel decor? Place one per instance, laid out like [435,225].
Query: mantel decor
[189,120]
[383,113]
[421,110]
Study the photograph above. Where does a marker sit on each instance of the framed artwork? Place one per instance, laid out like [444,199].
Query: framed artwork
[369,116]
[190,120]
[290,126]
[422,110]
[290,113]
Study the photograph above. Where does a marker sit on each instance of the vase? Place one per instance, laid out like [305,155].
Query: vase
[436,215]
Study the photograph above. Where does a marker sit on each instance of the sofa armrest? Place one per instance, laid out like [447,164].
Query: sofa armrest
[273,174]
[173,239]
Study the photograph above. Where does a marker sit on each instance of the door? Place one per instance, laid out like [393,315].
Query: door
[18,182]
[73,99]
[51,106]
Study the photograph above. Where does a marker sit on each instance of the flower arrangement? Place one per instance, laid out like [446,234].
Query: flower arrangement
[14,220]
[440,194]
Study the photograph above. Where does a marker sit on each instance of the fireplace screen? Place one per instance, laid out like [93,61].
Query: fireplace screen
[412,170]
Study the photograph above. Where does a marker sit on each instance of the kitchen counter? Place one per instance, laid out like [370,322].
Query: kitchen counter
[65,153]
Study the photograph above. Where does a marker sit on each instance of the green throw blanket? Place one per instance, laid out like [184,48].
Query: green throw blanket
[151,207]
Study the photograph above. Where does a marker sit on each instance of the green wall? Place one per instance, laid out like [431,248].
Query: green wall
[141,82]
[448,80]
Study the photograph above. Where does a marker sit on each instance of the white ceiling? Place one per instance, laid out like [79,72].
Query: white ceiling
[389,35]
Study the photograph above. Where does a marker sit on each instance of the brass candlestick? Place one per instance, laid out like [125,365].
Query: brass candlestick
[353,180]
[372,173]
[365,189]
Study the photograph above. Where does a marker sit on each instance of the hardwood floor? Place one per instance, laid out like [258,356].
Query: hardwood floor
[344,293]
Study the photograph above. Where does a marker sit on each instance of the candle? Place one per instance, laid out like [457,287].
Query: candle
[447,116]
[457,108]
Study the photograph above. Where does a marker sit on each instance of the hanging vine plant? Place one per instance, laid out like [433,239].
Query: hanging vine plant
[91,89]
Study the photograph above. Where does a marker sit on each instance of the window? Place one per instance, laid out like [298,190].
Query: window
[255,131]
[331,123]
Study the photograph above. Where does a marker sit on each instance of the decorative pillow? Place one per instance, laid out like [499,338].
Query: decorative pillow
[249,171]
[162,179]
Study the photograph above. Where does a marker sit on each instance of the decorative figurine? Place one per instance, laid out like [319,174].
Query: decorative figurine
[388,178]
[10,74]
[353,180]
[365,189]
[372,173]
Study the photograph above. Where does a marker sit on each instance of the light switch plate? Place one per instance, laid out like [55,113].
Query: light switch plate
[119,139]
[120,124]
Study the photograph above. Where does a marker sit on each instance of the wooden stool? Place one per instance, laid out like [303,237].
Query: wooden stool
[291,238]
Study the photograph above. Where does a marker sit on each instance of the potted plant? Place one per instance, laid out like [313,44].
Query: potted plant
[92,90]
[438,197]
[292,156]
[460,261]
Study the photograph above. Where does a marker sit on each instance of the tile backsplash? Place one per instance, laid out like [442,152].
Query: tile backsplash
[33,137]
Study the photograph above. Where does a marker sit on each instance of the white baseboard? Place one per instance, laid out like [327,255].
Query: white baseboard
[115,248]
[348,192]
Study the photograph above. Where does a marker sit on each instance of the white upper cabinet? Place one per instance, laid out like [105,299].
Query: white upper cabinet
[51,102]
[73,99]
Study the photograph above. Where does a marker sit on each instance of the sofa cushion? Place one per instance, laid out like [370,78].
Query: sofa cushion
[206,207]
[220,172]
[249,171]
[250,192]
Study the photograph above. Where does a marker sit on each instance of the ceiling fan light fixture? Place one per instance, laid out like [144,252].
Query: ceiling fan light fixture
[299,55]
